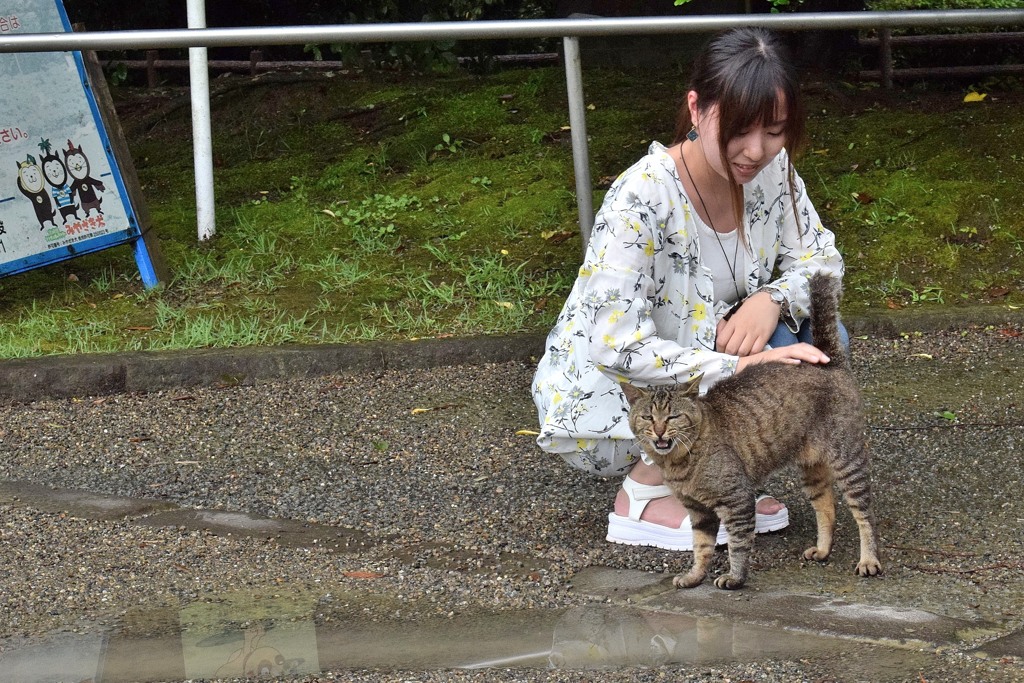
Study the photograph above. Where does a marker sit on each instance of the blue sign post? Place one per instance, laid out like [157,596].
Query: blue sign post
[62,192]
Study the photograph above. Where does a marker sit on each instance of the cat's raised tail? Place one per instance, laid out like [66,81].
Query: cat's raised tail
[826,291]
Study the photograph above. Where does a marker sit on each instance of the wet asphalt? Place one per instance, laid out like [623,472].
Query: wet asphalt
[383,512]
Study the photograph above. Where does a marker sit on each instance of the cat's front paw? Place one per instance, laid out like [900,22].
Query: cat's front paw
[871,567]
[691,580]
[728,583]
[813,553]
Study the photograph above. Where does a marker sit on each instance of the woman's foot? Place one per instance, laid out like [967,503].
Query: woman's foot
[661,519]
[668,511]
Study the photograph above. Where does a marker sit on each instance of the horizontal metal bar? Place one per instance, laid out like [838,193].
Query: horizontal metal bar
[948,39]
[947,71]
[309,64]
[479,30]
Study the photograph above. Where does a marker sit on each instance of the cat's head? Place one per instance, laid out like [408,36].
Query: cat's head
[663,417]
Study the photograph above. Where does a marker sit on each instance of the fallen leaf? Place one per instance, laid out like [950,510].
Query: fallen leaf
[926,356]
[526,432]
[863,197]
[329,213]
[997,292]
[557,237]
[975,96]
[363,575]
[417,411]
[505,304]
[1009,332]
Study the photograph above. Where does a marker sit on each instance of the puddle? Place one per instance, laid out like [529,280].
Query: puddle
[78,502]
[273,636]
[150,512]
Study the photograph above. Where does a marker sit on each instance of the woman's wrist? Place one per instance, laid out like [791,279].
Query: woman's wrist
[777,297]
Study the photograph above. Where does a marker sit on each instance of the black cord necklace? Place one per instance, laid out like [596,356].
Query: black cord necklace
[736,249]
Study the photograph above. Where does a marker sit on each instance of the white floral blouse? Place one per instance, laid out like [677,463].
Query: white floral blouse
[642,307]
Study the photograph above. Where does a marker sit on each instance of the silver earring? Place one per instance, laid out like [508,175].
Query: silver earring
[692,135]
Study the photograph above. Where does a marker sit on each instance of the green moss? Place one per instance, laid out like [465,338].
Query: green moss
[369,207]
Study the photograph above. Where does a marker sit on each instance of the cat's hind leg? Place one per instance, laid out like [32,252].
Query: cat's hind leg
[854,481]
[818,488]
[704,523]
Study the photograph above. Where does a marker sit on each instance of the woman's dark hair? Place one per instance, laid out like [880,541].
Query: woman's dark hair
[747,72]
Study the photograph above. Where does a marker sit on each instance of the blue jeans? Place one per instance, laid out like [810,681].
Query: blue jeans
[784,337]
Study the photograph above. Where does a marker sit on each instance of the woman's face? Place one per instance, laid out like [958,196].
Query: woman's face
[748,152]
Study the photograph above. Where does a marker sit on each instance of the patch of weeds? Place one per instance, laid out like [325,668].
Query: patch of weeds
[449,144]
[371,224]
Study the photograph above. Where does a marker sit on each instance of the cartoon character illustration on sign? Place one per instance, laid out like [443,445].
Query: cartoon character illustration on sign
[30,182]
[82,186]
[57,175]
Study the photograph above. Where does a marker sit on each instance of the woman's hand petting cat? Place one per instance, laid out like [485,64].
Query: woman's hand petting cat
[793,354]
[749,328]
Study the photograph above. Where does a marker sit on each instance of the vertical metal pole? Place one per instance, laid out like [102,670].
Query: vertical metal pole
[578,124]
[202,136]
[885,51]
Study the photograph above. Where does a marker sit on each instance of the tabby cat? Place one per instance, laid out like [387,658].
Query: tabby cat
[715,449]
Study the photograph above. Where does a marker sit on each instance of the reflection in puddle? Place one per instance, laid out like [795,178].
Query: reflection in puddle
[63,657]
[277,637]
[271,637]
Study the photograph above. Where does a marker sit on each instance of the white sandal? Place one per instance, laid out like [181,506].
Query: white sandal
[766,523]
[632,530]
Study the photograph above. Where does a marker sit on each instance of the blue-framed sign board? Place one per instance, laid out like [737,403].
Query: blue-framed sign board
[62,193]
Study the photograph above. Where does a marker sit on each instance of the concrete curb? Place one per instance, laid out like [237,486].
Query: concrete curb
[32,379]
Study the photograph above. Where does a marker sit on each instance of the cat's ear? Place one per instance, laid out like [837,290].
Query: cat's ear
[632,393]
[692,388]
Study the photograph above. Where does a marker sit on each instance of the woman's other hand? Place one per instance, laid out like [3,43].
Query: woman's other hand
[749,328]
[793,354]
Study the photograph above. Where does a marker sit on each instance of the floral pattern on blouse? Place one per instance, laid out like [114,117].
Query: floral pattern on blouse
[642,308]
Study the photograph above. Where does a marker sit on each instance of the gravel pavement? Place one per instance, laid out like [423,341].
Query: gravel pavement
[397,515]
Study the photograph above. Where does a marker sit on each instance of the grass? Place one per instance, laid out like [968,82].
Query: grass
[397,206]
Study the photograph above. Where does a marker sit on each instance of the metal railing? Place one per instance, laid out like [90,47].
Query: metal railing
[570,30]
[885,43]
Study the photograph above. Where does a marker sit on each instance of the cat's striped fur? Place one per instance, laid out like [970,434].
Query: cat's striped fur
[715,449]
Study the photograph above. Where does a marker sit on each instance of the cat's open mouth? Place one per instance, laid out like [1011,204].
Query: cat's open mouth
[663,445]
